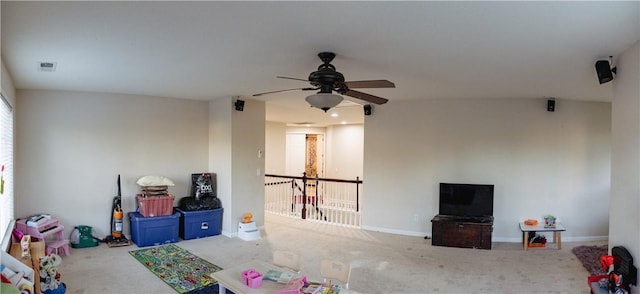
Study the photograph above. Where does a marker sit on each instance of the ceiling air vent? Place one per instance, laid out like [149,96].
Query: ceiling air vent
[47,66]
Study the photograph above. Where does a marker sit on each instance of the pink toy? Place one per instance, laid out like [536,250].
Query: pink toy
[252,278]
[17,235]
[294,286]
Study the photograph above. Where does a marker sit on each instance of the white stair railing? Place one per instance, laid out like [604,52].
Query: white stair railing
[324,200]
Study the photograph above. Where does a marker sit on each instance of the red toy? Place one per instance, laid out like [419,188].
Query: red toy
[606,261]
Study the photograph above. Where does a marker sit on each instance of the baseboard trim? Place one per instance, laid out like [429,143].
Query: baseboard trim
[494,239]
[229,234]
[235,234]
[397,232]
[550,234]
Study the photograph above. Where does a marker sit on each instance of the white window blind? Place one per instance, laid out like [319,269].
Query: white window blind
[6,160]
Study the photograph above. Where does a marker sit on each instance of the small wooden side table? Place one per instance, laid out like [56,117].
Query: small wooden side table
[557,231]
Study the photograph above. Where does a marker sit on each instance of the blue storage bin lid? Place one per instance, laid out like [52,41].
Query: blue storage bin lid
[195,212]
[136,216]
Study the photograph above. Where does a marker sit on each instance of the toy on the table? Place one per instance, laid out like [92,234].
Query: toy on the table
[252,278]
[247,217]
[294,286]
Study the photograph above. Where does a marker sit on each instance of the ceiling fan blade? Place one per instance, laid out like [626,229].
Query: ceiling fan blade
[286,90]
[288,78]
[370,84]
[366,97]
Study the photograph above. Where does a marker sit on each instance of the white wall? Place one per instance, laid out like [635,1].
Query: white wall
[220,111]
[236,140]
[540,162]
[71,146]
[275,146]
[344,148]
[6,85]
[625,163]
[247,154]
[344,151]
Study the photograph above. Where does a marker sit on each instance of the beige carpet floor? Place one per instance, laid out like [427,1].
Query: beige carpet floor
[381,262]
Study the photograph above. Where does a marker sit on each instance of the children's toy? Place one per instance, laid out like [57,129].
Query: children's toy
[549,221]
[17,235]
[49,276]
[294,286]
[24,245]
[622,273]
[606,261]
[537,240]
[246,218]
[252,278]
[17,273]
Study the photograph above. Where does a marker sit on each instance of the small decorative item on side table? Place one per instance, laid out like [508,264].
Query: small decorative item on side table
[549,221]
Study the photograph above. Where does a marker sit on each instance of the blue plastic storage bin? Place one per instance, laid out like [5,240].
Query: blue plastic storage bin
[157,230]
[200,223]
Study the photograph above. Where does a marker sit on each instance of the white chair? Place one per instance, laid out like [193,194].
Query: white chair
[335,270]
[287,259]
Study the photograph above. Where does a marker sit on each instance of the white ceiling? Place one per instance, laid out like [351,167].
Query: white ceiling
[207,50]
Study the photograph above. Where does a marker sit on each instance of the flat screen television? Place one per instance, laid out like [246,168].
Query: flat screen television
[469,200]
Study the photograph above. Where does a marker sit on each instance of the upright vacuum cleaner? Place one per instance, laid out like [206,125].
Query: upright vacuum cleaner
[117,238]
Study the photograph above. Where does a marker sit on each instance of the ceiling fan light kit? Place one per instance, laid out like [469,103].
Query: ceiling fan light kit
[324,101]
[328,80]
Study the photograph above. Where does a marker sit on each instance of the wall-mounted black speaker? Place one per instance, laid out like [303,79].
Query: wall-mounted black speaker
[604,71]
[551,105]
[367,109]
[239,105]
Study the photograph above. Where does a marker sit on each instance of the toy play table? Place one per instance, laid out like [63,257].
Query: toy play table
[557,231]
[230,278]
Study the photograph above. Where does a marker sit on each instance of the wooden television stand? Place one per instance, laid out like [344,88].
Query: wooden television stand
[464,232]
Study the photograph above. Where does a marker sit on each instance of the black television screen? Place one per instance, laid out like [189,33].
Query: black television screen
[466,199]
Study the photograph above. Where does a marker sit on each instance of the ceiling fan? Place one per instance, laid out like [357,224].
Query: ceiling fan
[327,80]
